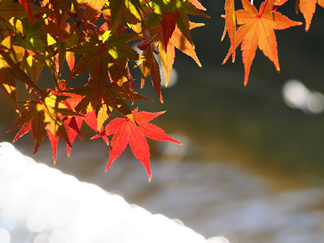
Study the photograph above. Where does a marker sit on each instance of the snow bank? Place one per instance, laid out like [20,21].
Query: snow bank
[39,204]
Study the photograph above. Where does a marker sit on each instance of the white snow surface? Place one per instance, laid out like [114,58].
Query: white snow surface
[39,204]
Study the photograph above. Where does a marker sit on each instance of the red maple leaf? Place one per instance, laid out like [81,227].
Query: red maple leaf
[132,130]
[26,5]
[168,25]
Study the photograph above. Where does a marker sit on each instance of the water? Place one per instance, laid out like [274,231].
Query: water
[223,199]
[212,197]
[251,168]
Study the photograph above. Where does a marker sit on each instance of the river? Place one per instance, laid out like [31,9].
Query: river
[214,197]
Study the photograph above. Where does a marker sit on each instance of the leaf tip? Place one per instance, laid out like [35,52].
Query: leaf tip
[108,165]
[36,148]
[68,151]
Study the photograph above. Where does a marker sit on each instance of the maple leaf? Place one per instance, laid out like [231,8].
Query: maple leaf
[55,22]
[14,52]
[197,4]
[26,5]
[70,59]
[93,8]
[43,116]
[103,101]
[307,8]
[150,65]
[133,132]
[168,25]
[278,3]
[176,11]
[230,24]
[23,9]
[73,124]
[130,10]
[257,31]
[177,40]
[109,53]
[7,82]
[166,54]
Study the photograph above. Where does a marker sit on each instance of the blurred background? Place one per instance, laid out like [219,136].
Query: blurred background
[252,165]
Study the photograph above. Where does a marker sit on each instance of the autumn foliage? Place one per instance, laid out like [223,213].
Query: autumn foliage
[105,41]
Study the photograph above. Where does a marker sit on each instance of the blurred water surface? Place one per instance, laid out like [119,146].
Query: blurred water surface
[251,167]
[212,197]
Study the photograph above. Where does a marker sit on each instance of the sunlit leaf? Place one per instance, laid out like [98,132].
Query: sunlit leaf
[307,8]
[133,133]
[257,31]
[230,24]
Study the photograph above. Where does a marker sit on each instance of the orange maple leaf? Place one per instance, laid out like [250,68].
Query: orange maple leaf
[257,31]
[45,115]
[230,24]
[307,8]
[133,131]
[197,4]
[179,41]
[279,2]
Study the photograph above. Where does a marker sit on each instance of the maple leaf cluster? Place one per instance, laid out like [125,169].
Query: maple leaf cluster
[93,40]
